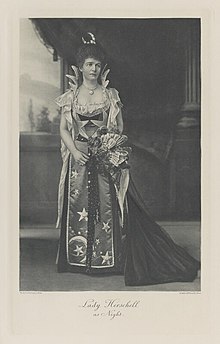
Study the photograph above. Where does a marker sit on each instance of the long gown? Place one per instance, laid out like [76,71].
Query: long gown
[123,239]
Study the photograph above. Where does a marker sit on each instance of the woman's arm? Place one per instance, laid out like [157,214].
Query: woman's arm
[79,156]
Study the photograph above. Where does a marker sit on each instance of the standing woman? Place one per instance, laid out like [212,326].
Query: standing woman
[104,227]
[91,237]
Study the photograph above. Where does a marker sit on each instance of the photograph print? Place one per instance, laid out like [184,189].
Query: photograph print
[110,154]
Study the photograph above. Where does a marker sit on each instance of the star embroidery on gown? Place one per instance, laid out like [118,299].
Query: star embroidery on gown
[79,250]
[76,192]
[106,259]
[106,227]
[83,215]
[74,174]
[97,241]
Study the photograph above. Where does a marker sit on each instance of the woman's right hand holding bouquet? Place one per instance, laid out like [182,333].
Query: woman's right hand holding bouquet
[80,157]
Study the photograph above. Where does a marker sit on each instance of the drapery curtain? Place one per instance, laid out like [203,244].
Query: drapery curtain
[64,35]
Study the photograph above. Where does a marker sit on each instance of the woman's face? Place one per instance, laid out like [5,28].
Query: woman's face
[91,69]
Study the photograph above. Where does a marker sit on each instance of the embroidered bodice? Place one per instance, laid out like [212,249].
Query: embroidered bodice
[89,117]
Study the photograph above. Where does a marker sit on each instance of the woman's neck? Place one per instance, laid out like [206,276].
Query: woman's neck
[90,83]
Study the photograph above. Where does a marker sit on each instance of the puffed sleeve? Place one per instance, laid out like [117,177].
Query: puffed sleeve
[65,101]
[115,107]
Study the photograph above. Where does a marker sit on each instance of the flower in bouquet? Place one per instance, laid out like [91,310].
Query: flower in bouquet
[107,148]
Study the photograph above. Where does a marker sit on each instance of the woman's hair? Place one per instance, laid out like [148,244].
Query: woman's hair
[89,50]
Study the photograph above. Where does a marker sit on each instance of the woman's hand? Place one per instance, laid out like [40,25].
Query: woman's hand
[80,157]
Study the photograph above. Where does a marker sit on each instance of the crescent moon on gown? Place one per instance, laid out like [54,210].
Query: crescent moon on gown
[74,248]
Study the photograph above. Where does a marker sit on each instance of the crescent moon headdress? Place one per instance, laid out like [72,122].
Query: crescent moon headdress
[90,40]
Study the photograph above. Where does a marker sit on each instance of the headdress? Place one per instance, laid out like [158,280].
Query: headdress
[87,39]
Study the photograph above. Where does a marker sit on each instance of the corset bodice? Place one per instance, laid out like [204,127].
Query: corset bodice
[90,122]
[89,117]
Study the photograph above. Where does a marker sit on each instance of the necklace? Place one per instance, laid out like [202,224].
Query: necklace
[91,90]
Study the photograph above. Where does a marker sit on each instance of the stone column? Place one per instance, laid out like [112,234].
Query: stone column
[190,112]
[184,203]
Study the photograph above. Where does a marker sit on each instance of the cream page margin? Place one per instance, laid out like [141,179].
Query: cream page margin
[162,317]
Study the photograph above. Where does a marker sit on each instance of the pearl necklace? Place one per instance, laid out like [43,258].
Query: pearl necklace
[91,90]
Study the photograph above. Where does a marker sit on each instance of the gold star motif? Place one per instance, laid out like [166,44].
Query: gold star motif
[83,215]
[106,258]
[79,251]
[97,241]
[74,174]
[106,226]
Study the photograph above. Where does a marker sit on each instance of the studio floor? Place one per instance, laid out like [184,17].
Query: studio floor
[38,248]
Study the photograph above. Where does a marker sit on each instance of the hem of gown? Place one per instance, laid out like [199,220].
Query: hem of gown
[170,280]
[112,272]
[92,271]
[187,277]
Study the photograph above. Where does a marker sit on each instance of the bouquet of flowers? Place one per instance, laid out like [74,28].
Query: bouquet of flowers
[108,151]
